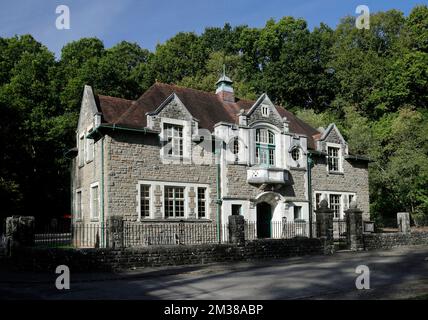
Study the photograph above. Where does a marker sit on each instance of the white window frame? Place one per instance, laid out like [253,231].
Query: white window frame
[174,187]
[340,157]
[151,202]
[91,197]
[78,212]
[177,140]
[340,204]
[186,158]
[343,204]
[162,184]
[140,216]
[197,202]
[265,110]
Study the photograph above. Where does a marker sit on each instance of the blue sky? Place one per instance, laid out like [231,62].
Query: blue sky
[149,22]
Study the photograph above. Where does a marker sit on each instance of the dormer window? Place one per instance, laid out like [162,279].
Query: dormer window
[265,110]
[265,147]
[334,159]
[174,137]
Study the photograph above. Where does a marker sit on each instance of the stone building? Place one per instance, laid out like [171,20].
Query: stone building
[183,154]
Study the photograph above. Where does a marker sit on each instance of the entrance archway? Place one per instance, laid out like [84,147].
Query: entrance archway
[264,218]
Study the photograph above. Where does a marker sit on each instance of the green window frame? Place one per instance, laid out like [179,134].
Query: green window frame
[265,147]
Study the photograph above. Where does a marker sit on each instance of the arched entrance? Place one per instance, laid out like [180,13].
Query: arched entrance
[264,218]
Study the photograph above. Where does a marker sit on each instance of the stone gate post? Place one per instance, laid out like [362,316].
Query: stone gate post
[115,232]
[403,221]
[324,223]
[354,227]
[20,230]
[236,229]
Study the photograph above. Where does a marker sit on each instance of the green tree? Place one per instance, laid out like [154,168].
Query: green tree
[181,56]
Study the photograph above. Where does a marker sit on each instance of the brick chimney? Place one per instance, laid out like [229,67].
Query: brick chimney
[225,89]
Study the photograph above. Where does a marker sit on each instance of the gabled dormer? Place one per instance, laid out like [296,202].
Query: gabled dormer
[176,126]
[334,146]
[264,110]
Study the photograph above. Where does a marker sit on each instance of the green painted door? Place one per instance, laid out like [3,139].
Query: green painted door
[264,217]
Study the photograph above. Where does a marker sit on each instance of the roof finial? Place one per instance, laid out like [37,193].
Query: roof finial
[224,70]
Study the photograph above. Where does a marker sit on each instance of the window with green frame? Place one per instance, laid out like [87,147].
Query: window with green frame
[265,147]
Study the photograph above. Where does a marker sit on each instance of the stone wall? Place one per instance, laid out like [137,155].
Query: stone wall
[397,239]
[132,158]
[354,179]
[80,260]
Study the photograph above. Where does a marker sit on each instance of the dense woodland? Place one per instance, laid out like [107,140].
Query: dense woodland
[372,83]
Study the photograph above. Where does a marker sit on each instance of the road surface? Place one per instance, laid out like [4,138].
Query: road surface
[400,273]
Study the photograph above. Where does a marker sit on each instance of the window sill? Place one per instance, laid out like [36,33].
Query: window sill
[298,168]
[339,173]
[237,163]
[94,220]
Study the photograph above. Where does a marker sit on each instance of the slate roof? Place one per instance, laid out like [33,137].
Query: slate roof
[206,107]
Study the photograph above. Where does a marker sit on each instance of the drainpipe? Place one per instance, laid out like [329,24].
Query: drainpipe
[309,166]
[102,193]
[217,153]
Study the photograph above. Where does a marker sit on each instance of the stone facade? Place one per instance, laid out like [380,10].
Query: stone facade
[135,158]
[354,179]
[132,174]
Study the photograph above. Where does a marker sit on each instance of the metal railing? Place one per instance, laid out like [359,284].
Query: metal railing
[87,235]
[171,233]
[278,230]
[164,233]
[72,235]
[339,230]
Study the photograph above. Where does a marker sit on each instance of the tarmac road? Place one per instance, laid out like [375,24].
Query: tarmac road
[400,273]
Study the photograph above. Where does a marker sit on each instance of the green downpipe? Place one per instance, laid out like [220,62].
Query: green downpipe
[217,153]
[102,193]
[309,165]
[218,203]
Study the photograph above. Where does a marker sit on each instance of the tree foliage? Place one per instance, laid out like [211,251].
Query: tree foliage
[371,83]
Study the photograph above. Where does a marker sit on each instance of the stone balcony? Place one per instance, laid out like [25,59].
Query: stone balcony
[265,175]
